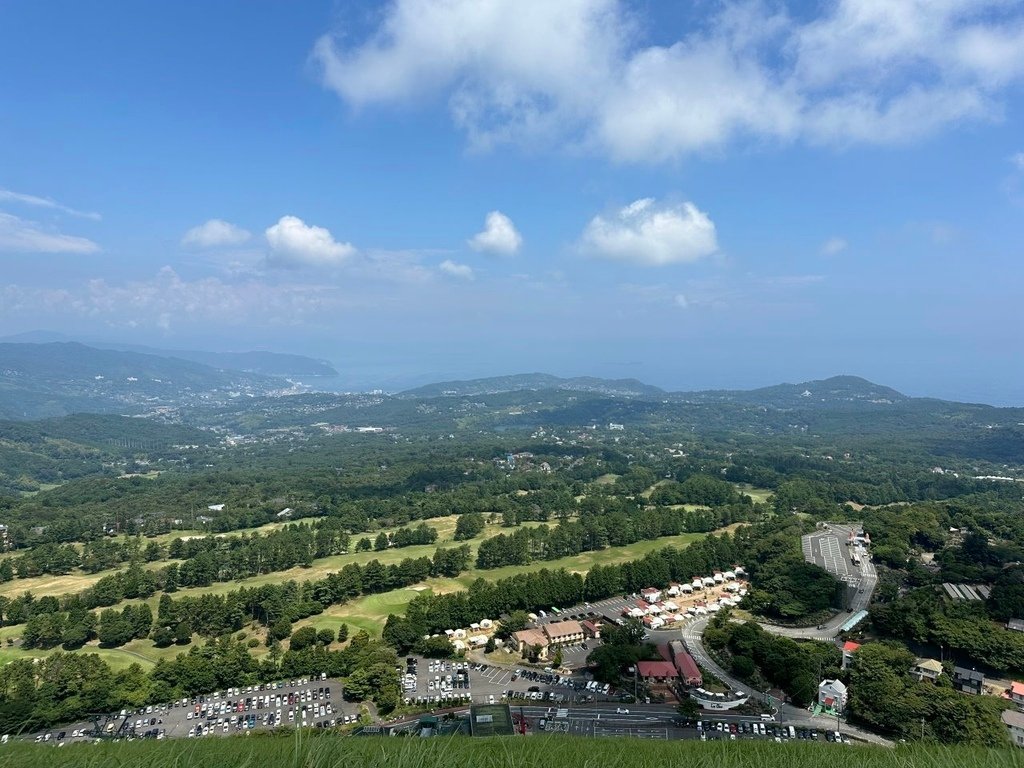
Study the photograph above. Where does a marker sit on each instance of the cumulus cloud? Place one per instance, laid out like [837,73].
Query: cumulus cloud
[650,234]
[579,71]
[22,236]
[9,196]
[215,233]
[293,243]
[834,246]
[463,271]
[499,235]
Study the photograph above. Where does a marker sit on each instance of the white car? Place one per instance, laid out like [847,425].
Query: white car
[621,711]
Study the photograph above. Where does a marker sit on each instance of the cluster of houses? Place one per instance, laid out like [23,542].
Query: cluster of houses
[657,607]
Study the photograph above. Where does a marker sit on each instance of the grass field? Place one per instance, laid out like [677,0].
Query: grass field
[759,495]
[79,580]
[330,750]
[62,585]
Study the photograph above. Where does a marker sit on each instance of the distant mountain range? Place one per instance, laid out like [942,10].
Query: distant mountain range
[266,363]
[536,381]
[45,380]
[809,394]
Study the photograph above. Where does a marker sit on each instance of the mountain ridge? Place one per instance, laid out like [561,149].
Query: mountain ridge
[263,362]
[60,378]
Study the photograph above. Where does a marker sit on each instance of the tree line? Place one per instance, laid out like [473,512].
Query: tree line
[431,614]
[597,531]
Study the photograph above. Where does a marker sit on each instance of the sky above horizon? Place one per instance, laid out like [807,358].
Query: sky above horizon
[697,195]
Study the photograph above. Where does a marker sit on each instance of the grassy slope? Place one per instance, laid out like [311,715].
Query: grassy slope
[512,752]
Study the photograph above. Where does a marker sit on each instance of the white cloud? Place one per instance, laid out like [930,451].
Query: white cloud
[499,235]
[23,236]
[650,234]
[680,301]
[293,243]
[215,233]
[1017,161]
[462,271]
[9,196]
[578,71]
[834,246]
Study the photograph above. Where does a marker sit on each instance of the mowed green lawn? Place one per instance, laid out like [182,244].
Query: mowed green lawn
[759,495]
[141,652]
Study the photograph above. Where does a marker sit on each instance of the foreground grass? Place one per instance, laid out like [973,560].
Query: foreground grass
[511,752]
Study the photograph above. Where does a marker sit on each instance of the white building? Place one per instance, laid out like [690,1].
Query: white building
[832,695]
[650,594]
[1014,722]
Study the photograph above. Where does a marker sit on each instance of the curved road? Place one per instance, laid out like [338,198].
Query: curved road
[867,582]
[692,638]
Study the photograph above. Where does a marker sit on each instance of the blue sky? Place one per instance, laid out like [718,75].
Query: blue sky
[708,195]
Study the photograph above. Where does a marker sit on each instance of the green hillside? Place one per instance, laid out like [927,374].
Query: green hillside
[514,752]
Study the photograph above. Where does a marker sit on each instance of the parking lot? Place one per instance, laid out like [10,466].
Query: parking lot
[824,549]
[312,703]
[429,682]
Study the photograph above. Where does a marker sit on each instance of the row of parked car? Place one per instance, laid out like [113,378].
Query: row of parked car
[778,732]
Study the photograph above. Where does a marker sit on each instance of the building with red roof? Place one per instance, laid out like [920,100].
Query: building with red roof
[661,671]
[849,648]
[685,665]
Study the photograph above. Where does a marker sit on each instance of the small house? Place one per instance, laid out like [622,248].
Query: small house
[968,680]
[832,695]
[926,669]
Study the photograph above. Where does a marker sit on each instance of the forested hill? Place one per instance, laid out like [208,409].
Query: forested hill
[44,380]
[53,451]
[262,362]
[265,363]
[833,392]
[536,381]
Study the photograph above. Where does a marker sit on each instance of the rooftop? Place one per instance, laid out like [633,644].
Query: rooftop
[931,665]
[656,669]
